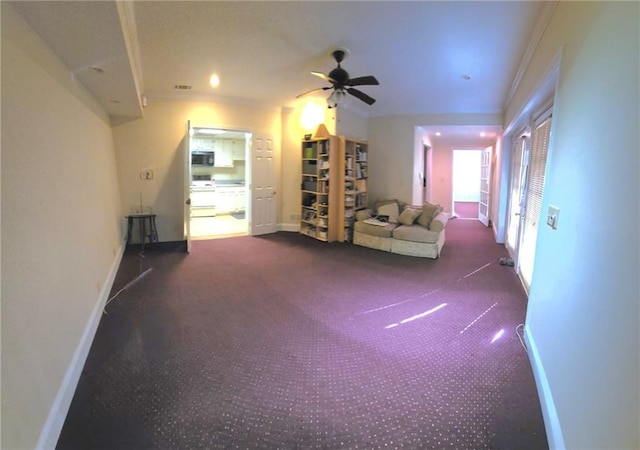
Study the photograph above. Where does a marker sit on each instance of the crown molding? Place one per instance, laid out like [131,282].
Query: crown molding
[536,36]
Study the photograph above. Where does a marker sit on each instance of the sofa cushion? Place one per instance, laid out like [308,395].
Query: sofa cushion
[439,222]
[409,215]
[378,203]
[391,210]
[375,230]
[415,233]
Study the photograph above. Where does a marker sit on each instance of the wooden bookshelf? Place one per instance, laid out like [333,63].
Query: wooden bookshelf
[319,214]
[353,183]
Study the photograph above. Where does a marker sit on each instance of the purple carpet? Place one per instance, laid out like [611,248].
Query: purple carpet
[286,342]
[466,210]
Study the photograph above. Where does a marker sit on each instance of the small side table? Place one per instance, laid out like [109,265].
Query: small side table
[146,225]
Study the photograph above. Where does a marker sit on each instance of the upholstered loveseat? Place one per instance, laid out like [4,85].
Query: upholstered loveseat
[404,229]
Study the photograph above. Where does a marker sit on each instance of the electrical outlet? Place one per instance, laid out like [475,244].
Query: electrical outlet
[552,217]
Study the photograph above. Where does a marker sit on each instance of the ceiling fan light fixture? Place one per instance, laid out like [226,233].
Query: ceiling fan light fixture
[337,98]
[342,84]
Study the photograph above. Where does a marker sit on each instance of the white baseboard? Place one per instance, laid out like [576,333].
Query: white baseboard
[549,412]
[289,227]
[58,412]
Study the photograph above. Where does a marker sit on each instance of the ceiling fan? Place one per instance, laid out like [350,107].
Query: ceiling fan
[342,84]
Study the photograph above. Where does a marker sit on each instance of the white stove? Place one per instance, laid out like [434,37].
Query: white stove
[203,197]
[203,185]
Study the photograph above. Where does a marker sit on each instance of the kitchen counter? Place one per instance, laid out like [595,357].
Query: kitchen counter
[230,183]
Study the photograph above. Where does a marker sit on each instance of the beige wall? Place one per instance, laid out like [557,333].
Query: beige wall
[157,142]
[442,168]
[351,123]
[582,317]
[391,156]
[61,230]
[291,168]
[396,147]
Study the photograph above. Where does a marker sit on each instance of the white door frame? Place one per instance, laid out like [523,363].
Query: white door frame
[187,187]
[453,170]
[485,186]
[187,175]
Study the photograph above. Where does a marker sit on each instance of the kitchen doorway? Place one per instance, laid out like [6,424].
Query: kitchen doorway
[219,179]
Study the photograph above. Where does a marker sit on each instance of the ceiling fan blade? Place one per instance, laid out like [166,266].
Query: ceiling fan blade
[369,80]
[323,76]
[313,90]
[361,95]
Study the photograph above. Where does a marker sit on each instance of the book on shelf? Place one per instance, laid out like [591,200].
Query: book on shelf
[361,170]
[349,162]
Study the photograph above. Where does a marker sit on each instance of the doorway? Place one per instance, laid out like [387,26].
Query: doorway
[425,175]
[466,183]
[218,180]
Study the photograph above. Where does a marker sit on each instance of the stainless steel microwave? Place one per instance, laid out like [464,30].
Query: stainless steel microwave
[203,159]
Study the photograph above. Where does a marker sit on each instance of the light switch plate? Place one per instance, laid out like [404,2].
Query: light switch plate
[552,217]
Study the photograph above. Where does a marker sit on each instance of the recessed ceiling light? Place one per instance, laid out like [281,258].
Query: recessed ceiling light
[483,134]
[438,133]
[465,77]
[214,81]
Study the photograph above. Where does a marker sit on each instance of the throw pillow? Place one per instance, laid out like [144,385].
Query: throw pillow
[428,213]
[391,210]
[409,215]
[364,214]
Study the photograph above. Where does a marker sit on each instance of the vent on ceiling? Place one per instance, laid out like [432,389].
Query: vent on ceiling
[184,87]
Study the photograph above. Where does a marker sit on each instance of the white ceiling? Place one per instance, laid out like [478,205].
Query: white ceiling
[263,51]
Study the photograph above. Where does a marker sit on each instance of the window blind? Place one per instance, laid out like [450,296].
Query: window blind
[535,187]
[537,167]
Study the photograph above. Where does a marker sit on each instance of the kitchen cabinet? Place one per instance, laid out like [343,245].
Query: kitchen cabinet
[202,144]
[224,201]
[224,154]
[238,150]
[240,200]
[230,199]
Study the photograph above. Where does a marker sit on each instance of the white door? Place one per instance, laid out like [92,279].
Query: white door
[187,187]
[517,193]
[485,182]
[263,213]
